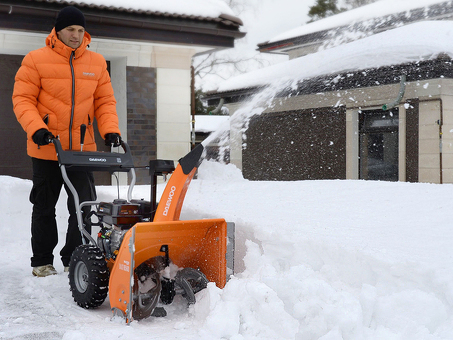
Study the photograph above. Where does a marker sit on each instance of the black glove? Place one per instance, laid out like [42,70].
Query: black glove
[113,138]
[42,137]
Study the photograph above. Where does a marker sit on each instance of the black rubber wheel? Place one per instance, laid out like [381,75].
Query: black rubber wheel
[88,276]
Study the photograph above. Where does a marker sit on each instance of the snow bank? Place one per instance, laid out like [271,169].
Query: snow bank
[259,314]
[347,259]
[212,171]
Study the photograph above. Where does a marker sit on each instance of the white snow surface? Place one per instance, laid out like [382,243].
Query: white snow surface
[411,43]
[375,10]
[330,260]
[205,8]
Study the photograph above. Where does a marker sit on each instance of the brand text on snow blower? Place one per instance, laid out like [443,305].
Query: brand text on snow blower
[91,159]
[170,197]
[124,266]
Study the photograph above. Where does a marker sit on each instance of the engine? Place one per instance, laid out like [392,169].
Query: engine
[115,219]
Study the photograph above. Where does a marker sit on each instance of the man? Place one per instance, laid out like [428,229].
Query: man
[59,88]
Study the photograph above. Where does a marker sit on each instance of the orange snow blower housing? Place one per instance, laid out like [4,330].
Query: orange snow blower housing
[144,255]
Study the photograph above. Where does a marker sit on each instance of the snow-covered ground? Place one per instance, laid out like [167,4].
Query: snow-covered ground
[323,260]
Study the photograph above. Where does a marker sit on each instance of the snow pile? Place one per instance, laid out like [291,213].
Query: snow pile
[205,8]
[323,260]
[393,47]
[211,171]
[258,314]
[349,259]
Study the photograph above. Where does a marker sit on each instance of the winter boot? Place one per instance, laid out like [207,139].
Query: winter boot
[45,270]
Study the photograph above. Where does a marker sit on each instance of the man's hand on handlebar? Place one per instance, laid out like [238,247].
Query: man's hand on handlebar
[113,138]
[42,137]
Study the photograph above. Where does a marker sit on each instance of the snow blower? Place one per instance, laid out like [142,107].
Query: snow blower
[143,254]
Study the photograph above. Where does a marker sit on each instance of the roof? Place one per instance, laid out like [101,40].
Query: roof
[205,22]
[413,43]
[210,10]
[359,22]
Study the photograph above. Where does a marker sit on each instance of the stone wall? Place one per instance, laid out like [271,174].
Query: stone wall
[296,145]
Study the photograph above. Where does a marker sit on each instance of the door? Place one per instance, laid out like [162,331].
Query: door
[378,145]
[14,160]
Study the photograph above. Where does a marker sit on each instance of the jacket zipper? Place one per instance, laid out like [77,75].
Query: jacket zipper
[72,99]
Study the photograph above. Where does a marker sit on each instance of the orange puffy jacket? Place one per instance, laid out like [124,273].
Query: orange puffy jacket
[59,89]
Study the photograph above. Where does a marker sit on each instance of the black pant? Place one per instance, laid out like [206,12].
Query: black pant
[47,182]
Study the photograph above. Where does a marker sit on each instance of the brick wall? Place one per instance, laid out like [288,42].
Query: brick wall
[141,117]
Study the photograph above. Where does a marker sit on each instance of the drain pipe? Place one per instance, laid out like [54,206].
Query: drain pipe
[440,122]
[391,105]
[218,108]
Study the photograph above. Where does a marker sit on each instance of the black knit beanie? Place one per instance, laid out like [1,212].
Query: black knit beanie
[69,16]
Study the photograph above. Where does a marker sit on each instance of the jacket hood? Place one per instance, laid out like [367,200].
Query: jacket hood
[58,46]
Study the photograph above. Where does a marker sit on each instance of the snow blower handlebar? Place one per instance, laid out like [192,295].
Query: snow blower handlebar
[93,161]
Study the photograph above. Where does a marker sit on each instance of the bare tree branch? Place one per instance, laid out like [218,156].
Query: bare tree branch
[212,63]
[223,65]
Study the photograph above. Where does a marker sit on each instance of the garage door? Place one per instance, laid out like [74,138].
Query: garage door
[13,153]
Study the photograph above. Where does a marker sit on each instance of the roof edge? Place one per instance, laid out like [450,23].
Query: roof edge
[210,33]
[439,67]
[230,19]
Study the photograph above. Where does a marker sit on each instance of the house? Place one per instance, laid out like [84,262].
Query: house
[148,45]
[373,105]
[355,24]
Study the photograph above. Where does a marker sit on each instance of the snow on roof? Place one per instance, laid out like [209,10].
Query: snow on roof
[205,8]
[375,10]
[415,42]
[209,123]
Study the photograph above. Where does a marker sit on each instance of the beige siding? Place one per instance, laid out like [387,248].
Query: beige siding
[352,144]
[429,151]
